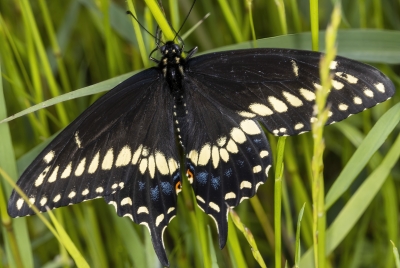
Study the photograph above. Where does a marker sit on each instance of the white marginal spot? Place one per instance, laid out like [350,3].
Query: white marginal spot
[258,185]
[298,126]
[147,225]
[333,65]
[124,157]
[343,107]
[99,190]
[152,166]
[143,165]
[170,210]
[53,175]
[200,207]
[232,147]
[32,200]
[313,119]
[292,99]
[85,192]
[41,177]
[114,186]
[230,195]
[221,141]
[243,198]
[357,100]
[278,105]
[267,170]
[246,114]
[337,85]
[264,153]
[330,113]
[260,109]
[295,68]
[380,87]
[129,216]
[282,129]
[108,160]
[145,151]
[245,184]
[250,127]
[121,185]
[114,204]
[43,201]
[136,154]
[348,77]
[368,93]
[257,169]
[20,203]
[126,201]
[307,94]
[275,131]
[48,157]
[215,156]
[77,140]
[238,135]
[173,166]
[224,154]
[198,197]
[67,171]
[94,164]
[71,194]
[216,223]
[81,167]
[161,162]
[159,219]
[143,209]
[57,198]
[193,156]
[214,206]
[205,154]
[317,86]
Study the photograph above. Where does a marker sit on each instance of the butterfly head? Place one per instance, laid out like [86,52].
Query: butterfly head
[171,52]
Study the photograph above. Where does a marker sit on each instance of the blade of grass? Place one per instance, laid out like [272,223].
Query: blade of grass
[298,249]
[15,232]
[372,142]
[278,200]
[358,203]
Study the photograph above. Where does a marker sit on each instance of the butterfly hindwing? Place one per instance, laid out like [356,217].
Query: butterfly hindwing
[227,159]
[277,86]
[113,150]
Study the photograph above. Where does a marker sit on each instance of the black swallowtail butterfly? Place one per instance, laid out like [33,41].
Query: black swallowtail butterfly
[123,147]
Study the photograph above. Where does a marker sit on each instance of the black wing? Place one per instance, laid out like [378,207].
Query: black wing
[228,154]
[277,86]
[113,150]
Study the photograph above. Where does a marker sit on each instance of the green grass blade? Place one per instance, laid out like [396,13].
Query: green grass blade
[375,138]
[358,203]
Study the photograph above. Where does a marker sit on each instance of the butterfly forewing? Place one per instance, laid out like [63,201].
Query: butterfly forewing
[277,86]
[114,150]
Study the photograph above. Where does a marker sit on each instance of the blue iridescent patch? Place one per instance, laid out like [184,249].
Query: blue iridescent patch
[240,163]
[154,193]
[257,140]
[215,182]
[166,187]
[228,172]
[141,185]
[201,177]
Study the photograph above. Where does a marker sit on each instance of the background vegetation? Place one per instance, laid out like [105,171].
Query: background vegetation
[49,48]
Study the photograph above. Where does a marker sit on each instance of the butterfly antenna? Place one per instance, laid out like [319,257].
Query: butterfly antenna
[184,21]
[133,16]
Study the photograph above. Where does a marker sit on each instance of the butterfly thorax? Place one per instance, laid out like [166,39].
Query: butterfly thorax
[171,65]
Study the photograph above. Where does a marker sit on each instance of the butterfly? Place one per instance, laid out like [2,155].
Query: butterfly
[125,147]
